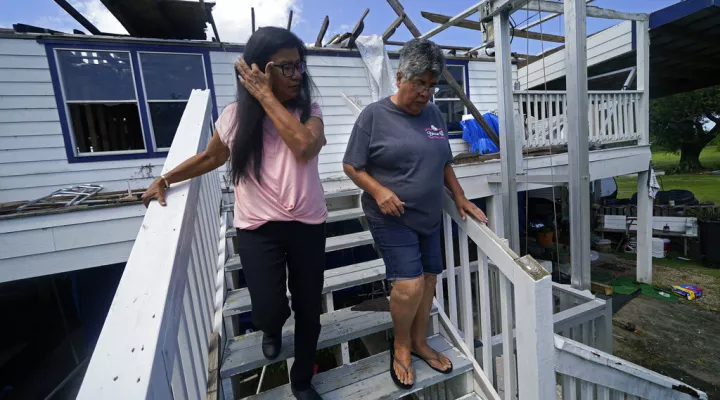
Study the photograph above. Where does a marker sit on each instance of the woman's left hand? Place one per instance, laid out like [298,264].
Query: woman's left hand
[257,82]
[465,207]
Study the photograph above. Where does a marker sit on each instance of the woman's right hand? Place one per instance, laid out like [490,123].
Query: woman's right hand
[156,191]
[389,203]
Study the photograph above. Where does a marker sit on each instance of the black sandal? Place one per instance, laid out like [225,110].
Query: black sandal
[407,369]
[436,358]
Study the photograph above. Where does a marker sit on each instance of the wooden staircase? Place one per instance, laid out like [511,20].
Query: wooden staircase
[367,378]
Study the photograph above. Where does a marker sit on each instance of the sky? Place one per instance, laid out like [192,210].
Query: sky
[233,18]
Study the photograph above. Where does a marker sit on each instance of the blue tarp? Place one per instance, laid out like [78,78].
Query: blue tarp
[474,134]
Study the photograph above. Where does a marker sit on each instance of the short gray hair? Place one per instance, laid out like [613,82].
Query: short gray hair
[419,56]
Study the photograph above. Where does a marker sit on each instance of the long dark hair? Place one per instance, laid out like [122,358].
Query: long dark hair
[247,149]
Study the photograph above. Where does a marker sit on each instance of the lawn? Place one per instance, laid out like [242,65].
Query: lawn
[705,186]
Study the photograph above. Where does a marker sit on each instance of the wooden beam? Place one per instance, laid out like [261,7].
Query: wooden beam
[592,11]
[543,19]
[451,21]
[209,16]
[357,30]
[289,25]
[442,46]
[323,30]
[392,28]
[78,17]
[475,25]
[252,18]
[460,92]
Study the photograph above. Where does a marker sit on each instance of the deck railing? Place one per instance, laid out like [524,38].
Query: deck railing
[155,341]
[525,294]
[612,117]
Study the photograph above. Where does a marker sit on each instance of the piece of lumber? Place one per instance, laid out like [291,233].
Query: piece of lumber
[442,46]
[460,92]
[392,28]
[78,17]
[252,18]
[213,367]
[475,25]
[597,287]
[323,30]
[357,30]
[289,24]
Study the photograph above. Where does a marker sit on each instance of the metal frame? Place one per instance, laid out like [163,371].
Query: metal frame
[147,99]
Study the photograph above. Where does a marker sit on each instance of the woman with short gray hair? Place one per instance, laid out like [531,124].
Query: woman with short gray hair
[400,156]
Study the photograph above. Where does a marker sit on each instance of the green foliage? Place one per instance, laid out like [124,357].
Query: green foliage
[677,123]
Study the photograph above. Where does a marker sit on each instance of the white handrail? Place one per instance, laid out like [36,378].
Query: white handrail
[154,343]
[526,290]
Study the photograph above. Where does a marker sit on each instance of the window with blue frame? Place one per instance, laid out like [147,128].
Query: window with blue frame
[106,115]
[450,105]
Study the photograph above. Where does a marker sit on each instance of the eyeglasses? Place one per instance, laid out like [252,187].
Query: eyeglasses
[289,69]
[420,88]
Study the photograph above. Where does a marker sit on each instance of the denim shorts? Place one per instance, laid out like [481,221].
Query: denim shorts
[407,254]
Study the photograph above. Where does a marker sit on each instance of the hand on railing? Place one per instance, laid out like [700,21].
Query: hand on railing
[156,191]
[465,207]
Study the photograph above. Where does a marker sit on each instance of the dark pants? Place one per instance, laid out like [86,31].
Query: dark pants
[264,253]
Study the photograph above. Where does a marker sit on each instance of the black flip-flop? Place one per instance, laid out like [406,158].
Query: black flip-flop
[407,369]
[436,358]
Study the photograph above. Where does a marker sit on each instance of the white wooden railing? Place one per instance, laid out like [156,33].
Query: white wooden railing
[612,115]
[525,294]
[155,341]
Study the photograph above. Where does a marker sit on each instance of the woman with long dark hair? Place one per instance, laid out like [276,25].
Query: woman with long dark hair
[273,135]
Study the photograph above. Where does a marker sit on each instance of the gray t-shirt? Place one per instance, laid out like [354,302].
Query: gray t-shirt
[405,153]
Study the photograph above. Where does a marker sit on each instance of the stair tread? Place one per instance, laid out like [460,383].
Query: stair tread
[244,353]
[347,241]
[238,301]
[344,215]
[233,263]
[370,377]
[471,396]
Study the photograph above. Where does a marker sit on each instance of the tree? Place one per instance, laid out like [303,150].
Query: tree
[682,123]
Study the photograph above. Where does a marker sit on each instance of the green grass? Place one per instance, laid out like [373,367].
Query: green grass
[709,158]
[706,187]
[671,261]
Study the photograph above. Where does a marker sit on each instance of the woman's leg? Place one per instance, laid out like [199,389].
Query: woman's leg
[400,248]
[263,260]
[306,266]
[432,266]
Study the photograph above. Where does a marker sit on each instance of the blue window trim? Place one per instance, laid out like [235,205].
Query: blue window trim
[466,64]
[133,50]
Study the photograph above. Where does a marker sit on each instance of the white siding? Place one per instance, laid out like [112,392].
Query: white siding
[33,161]
[48,244]
[605,45]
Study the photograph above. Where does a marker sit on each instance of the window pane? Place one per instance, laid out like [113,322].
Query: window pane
[96,75]
[458,72]
[452,112]
[106,127]
[172,76]
[165,120]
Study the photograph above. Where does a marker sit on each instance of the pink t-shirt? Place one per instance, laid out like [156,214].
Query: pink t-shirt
[290,190]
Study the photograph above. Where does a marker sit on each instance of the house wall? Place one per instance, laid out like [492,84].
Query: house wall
[33,161]
[603,46]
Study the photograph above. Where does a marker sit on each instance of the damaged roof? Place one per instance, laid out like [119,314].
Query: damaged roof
[162,19]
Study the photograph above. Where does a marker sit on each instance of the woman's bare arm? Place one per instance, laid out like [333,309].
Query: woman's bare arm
[463,205]
[212,158]
[385,198]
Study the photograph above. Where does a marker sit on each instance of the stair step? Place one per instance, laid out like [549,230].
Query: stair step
[333,243]
[344,215]
[233,264]
[343,193]
[471,396]
[370,377]
[348,241]
[238,301]
[244,353]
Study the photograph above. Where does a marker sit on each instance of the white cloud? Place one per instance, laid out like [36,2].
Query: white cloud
[234,21]
[96,13]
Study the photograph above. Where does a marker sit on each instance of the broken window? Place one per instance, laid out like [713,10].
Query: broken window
[101,101]
[168,80]
[450,105]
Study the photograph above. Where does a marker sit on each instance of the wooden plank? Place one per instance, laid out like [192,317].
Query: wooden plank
[238,301]
[475,25]
[485,326]
[23,102]
[26,88]
[19,244]
[509,363]
[244,352]
[368,378]
[24,62]
[213,386]
[450,267]
[348,241]
[30,115]
[597,287]
[344,215]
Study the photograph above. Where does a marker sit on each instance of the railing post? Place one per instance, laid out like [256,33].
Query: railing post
[535,337]
[643,80]
[450,267]
[466,309]
[485,327]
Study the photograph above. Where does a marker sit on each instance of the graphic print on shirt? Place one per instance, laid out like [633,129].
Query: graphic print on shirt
[434,133]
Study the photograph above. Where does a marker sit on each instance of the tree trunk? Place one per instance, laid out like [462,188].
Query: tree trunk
[690,157]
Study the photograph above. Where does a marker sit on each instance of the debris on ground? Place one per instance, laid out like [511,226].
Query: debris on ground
[689,292]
